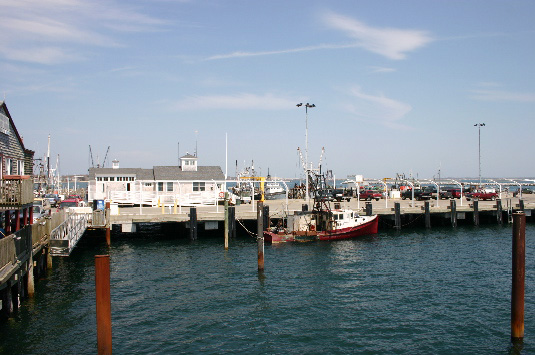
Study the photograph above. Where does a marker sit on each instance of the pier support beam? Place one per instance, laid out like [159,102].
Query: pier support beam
[260,234]
[397,216]
[267,219]
[499,211]
[193,223]
[521,205]
[427,215]
[453,208]
[232,221]
[30,286]
[518,277]
[475,205]
[226,224]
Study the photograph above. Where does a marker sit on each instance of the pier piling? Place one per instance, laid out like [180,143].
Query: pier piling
[369,209]
[499,212]
[232,221]
[397,216]
[103,301]
[476,212]
[518,277]
[453,208]
[427,215]
[260,234]
[226,227]
[193,223]
[521,204]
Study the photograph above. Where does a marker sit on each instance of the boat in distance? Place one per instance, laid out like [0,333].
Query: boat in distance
[326,225]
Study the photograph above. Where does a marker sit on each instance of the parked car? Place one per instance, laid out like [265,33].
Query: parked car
[43,203]
[54,199]
[407,194]
[370,195]
[431,193]
[71,202]
[325,194]
[340,194]
[456,193]
[38,213]
[481,195]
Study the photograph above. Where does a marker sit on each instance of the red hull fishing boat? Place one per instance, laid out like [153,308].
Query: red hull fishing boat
[323,225]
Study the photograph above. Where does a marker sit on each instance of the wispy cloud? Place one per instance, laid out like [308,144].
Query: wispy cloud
[378,108]
[382,70]
[389,42]
[59,31]
[502,95]
[238,101]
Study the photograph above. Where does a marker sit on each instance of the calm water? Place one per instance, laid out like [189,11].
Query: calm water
[417,292]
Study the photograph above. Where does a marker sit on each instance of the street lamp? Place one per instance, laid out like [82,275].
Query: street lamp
[307,105]
[479,125]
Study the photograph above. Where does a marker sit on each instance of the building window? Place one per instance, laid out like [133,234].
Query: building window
[160,186]
[9,167]
[148,184]
[112,178]
[99,178]
[20,167]
[199,186]
[105,178]
[169,186]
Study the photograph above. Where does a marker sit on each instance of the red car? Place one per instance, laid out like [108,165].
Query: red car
[370,195]
[482,196]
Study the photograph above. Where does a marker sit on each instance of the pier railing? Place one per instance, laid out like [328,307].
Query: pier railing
[64,238]
[15,192]
[14,250]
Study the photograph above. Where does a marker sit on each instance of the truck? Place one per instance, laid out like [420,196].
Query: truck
[482,195]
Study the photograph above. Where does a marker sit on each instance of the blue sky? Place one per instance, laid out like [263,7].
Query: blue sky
[398,85]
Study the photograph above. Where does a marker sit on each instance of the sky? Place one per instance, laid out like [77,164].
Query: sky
[397,85]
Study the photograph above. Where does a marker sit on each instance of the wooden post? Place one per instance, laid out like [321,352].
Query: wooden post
[226,228]
[7,222]
[103,300]
[48,256]
[521,205]
[369,209]
[518,276]
[475,204]
[397,210]
[30,282]
[193,223]
[267,221]
[17,220]
[499,212]
[427,215]
[453,208]
[232,221]
[30,209]
[108,236]
[260,234]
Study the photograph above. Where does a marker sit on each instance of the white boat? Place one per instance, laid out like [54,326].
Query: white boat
[272,188]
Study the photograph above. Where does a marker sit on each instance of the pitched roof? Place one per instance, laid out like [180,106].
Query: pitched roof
[176,173]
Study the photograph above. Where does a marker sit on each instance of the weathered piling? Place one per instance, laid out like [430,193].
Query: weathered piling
[103,301]
[232,221]
[108,229]
[260,234]
[397,215]
[521,205]
[304,207]
[193,223]
[475,207]
[518,276]
[226,227]
[369,209]
[267,220]
[427,215]
[499,211]
[108,236]
[30,286]
[453,209]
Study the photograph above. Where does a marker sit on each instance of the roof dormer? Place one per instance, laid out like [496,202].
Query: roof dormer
[188,162]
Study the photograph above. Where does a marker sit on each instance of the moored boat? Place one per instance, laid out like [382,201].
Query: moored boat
[323,225]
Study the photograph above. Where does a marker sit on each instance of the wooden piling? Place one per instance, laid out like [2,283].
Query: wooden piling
[267,220]
[397,216]
[453,208]
[226,225]
[193,223]
[499,212]
[518,276]
[103,302]
[30,281]
[369,209]
[260,234]
[427,215]
[108,236]
[521,205]
[475,208]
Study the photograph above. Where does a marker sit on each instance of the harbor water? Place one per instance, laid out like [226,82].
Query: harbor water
[439,291]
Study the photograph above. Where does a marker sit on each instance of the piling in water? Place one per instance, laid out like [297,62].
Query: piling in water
[453,208]
[226,226]
[260,234]
[427,215]
[475,205]
[369,210]
[499,212]
[397,216]
[518,277]
[103,300]
[193,223]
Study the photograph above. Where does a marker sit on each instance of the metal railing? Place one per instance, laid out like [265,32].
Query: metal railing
[64,238]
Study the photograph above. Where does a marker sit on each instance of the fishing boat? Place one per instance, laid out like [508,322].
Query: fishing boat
[323,225]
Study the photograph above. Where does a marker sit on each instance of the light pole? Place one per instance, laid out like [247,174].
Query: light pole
[307,105]
[479,125]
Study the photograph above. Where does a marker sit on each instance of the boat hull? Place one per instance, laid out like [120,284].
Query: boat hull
[367,228]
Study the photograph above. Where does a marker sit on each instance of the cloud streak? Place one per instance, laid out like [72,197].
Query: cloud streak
[500,95]
[389,42]
[233,102]
[380,109]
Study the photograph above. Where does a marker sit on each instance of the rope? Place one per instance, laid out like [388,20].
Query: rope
[253,235]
